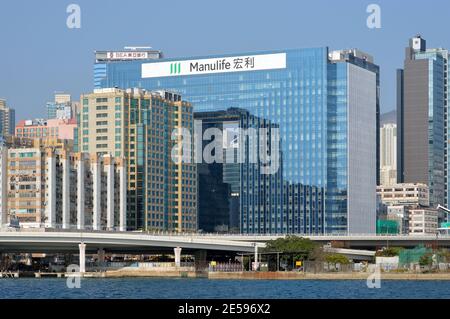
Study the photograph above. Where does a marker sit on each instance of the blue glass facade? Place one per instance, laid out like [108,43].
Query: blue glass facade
[308,101]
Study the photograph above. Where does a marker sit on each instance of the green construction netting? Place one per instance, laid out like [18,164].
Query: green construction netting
[408,256]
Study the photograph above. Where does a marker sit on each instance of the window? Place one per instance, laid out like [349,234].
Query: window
[26,155]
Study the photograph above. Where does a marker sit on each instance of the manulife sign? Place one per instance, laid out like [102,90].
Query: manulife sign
[215,65]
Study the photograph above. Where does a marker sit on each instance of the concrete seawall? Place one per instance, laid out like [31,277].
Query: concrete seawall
[324,276]
[151,273]
[174,273]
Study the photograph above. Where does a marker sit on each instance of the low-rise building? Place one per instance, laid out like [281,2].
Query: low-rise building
[39,128]
[423,221]
[400,214]
[408,194]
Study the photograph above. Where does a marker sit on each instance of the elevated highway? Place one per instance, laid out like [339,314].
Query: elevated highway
[357,241]
[115,242]
[54,240]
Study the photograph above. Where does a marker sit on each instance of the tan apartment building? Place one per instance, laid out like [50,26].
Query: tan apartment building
[138,125]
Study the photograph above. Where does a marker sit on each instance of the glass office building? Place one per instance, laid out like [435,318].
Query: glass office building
[253,196]
[326,107]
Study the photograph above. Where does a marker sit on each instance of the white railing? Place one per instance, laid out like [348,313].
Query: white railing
[87,229]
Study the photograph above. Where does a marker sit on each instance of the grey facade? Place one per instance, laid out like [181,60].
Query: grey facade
[362,149]
[7,119]
[422,103]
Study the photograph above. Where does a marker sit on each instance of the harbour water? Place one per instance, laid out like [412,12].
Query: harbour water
[182,288]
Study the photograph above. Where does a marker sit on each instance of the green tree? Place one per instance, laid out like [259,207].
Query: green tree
[443,255]
[389,252]
[297,247]
[426,259]
[337,259]
[294,248]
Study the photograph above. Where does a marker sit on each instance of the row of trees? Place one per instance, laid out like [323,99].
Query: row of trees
[294,248]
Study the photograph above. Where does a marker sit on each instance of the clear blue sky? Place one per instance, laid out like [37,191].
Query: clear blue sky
[40,55]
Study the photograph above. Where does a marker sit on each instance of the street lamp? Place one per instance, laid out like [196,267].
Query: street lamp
[447,211]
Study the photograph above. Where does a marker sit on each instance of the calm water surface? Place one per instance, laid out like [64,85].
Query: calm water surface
[203,288]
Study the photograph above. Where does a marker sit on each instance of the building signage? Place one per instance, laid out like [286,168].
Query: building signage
[215,65]
[445,225]
[127,55]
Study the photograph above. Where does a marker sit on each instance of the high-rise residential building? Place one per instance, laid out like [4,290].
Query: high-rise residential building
[7,119]
[48,185]
[3,183]
[422,101]
[40,128]
[388,154]
[326,105]
[138,125]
